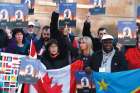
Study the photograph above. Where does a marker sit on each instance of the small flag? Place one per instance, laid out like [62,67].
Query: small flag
[14,78]
[33,53]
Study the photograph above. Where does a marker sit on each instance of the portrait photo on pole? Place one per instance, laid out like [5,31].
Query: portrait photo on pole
[67,15]
[5,15]
[99,7]
[30,4]
[84,82]
[126,32]
[20,15]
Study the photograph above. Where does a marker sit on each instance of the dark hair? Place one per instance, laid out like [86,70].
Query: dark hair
[101,29]
[138,33]
[50,42]
[18,30]
[3,38]
[45,28]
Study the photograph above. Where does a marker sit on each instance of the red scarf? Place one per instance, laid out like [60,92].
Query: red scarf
[132,56]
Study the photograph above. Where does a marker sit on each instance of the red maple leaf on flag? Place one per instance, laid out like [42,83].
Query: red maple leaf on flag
[45,86]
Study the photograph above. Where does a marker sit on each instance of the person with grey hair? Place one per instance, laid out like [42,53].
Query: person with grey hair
[86,50]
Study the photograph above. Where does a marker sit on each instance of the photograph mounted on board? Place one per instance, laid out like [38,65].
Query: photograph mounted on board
[6,12]
[30,4]
[99,7]
[127,32]
[67,15]
[84,82]
[30,70]
[20,15]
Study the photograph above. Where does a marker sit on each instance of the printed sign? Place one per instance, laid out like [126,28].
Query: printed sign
[13,15]
[67,15]
[30,4]
[20,15]
[30,69]
[127,32]
[99,7]
[83,82]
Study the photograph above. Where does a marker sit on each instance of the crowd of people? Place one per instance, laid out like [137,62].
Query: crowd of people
[57,48]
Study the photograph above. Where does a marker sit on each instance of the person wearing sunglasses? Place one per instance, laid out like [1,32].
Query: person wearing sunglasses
[30,34]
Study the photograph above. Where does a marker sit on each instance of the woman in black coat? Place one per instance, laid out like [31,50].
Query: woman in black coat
[57,51]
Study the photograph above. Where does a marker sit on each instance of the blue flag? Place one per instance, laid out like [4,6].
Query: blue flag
[118,82]
[30,4]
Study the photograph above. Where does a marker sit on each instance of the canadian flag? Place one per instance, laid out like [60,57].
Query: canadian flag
[57,80]
[32,52]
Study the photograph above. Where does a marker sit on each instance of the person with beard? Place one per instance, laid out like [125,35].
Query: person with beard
[132,54]
[45,36]
[108,59]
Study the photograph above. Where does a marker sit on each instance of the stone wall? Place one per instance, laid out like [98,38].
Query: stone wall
[115,10]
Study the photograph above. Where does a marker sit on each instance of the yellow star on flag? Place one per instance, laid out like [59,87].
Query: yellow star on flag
[103,85]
